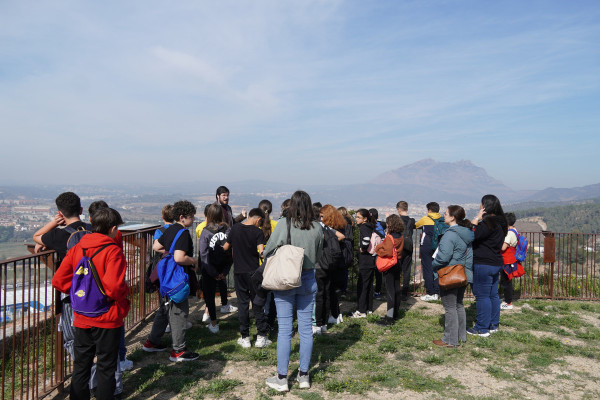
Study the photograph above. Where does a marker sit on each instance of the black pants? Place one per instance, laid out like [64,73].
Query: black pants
[392,290]
[209,288]
[378,281]
[104,344]
[326,301]
[245,291]
[364,289]
[431,284]
[405,265]
[222,285]
[507,287]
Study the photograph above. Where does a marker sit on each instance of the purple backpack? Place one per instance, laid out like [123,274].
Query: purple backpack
[87,293]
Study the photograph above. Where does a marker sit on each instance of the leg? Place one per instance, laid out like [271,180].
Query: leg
[365,280]
[84,349]
[461,314]
[370,288]
[243,296]
[161,320]
[507,287]
[494,298]
[405,265]
[378,281]
[396,289]
[334,304]
[426,268]
[122,348]
[107,341]
[451,324]
[482,288]
[222,291]
[209,286]
[284,302]
[178,315]
[389,292]
[305,298]
[321,279]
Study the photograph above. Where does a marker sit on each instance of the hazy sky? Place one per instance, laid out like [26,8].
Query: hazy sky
[298,91]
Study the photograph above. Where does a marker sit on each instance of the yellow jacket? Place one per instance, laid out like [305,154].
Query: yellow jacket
[427,220]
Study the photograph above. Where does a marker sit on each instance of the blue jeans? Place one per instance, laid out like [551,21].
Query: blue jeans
[485,289]
[304,299]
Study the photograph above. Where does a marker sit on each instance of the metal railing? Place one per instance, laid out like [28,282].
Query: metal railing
[34,362]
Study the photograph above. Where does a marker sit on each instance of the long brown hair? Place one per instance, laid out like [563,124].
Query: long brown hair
[267,207]
[332,217]
[459,215]
[214,215]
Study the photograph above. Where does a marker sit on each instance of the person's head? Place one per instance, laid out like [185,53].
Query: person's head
[362,216]
[433,207]
[267,208]
[206,207]
[317,208]
[331,217]
[455,215]
[510,219]
[374,214]
[106,221]
[183,212]
[96,205]
[402,207]
[346,215]
[491,205]
[301,210]
[69,204]
[394,224]
[167,214]
[255,217]
[214,214]
[284,207]
[222,195]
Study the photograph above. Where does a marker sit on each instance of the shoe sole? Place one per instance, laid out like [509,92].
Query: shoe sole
[303,385]
[182,359]
[479,334]
[152,350]
[277,387]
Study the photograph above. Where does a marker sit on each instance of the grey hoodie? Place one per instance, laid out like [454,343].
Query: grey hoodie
[455,248]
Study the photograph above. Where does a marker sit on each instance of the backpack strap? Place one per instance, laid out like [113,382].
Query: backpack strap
[172,249]
[93,267]
[516,233]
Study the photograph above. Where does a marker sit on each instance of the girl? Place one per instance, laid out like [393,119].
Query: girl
[391,277]
[455,248]
[366,264]
[490,231]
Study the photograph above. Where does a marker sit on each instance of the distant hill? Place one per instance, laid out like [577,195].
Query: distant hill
[566,194]
[583,217]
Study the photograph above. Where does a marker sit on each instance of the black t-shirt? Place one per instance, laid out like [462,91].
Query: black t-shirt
[57,238]
[184,242]
[244,240]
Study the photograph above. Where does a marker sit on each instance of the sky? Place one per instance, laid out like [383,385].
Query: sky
[309,92]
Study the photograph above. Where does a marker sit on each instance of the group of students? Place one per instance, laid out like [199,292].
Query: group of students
[324,232]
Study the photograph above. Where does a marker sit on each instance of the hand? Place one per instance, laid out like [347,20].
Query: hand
[244,213]
[59,219]
[39,248]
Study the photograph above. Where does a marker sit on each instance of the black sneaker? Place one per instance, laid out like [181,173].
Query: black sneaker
[151,347]
[183,355]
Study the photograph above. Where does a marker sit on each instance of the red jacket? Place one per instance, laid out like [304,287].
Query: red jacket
[110,264]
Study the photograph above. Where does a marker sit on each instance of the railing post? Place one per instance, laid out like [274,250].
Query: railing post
[550,256]
[142,284]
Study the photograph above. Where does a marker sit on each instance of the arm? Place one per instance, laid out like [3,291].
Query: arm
[278,237]
[57,221]
[505,246]
[364,238]
[156,246]
[63,277]
[114,275]
[444,252]
[183,259]
[340,236]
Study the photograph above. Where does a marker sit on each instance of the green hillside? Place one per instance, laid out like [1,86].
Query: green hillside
[583,217]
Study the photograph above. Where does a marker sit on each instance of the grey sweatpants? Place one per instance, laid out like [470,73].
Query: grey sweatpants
[177,315]
[455,328]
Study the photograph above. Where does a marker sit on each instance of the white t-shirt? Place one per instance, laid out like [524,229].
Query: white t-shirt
[511,239]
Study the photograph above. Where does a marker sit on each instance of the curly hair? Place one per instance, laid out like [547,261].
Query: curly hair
[183,207]
[394,224]
[332,217]
[69,204]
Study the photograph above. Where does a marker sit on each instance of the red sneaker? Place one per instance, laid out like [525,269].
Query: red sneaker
[153,348]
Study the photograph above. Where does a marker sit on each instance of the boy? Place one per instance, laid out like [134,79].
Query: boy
[426,251]
[406,260]
[248,242]
[183,213]
[509,249]
[100,335]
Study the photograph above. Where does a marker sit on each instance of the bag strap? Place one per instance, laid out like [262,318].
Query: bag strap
[172,249]
[93,267]
[516,233]
[289,227]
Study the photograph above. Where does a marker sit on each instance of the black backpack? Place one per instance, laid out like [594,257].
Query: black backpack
[151,282]
[332,257]
[408,236]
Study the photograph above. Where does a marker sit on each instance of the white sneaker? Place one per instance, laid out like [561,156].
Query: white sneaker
[506,306]
[358,314]
[303,381]
[244,342]
[316,330]
[126,365]
[430,297]
[228,308]
[262,341]
[213,328]
[206,317]
[332,320]
[340,319]
[281,385]
[323,328]
[435,297]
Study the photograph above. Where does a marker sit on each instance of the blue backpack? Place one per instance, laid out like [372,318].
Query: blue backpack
[75,235]
[522,244]
[172,277]
[439,228]
[87,293]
